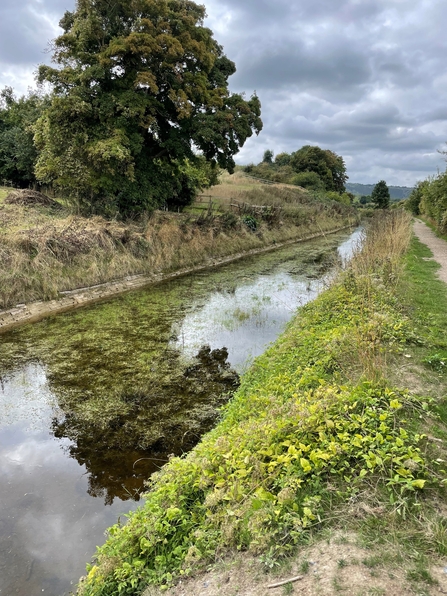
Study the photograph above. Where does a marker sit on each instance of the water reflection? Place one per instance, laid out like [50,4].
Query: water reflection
[92,402]
[247,319]
[148,423]
[45,508]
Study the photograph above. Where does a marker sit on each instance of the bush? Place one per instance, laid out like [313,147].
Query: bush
[251,222]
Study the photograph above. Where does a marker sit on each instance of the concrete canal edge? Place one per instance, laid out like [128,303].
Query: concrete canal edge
[72,299]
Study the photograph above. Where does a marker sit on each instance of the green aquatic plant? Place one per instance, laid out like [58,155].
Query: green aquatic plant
[313,425]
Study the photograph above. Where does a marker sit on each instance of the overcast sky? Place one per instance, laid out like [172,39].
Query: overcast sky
[364,78]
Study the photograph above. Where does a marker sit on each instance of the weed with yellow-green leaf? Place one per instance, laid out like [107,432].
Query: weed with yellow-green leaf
[318,425]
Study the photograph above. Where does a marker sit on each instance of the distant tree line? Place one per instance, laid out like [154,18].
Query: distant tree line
[140,115]
[397,193]
[310,167]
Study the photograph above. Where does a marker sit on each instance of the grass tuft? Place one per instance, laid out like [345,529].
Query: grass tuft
[44,251]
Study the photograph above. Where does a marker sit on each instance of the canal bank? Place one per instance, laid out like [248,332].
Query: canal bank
[90,397]
[324,430]
[73,299]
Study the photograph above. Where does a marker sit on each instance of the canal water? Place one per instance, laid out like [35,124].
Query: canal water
[94,401]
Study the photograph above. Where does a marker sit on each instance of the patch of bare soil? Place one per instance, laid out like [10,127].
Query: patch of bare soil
[438,246]
[27,197]
[333,567]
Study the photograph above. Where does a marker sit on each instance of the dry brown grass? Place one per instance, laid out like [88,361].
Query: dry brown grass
[44,251]
[384,250]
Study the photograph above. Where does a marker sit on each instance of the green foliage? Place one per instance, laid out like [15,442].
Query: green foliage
[437,362]
[344,198]
[412,204]
[329,166]
[282,159]
[268,156]
[433,200]
[302,434]
[310,167]
[250,221]
[139,87]
[309,180]
[17,152]
[380,195]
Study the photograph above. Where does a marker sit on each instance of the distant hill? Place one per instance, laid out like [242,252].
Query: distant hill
[397,193]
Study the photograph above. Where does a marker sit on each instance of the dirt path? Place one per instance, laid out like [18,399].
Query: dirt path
[435,244]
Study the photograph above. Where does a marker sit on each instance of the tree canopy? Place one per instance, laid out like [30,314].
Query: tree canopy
[329,166]
[140,91]
[18,154]
[380,195]
[268,156]
[310,167]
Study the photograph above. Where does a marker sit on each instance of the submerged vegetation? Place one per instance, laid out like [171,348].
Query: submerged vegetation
[320,419]
[46,249]
[129,376]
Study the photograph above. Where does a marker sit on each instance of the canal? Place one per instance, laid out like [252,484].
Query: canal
[94,401]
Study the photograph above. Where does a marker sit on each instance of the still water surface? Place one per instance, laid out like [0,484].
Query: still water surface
[65,477]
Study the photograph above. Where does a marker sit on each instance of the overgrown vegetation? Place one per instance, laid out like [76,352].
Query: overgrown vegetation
[139,116]
[45,250]
[321,419]
[310,167]
[429,199]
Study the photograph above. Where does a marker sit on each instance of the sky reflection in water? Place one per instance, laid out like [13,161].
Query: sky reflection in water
[49,524]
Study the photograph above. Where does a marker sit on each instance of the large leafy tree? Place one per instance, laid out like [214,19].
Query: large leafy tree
[329,166]
[18,154]
[380,195]
[140,88]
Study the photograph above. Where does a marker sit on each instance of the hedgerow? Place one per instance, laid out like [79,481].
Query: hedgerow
[313,424]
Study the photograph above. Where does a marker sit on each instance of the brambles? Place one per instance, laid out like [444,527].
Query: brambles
[250,221]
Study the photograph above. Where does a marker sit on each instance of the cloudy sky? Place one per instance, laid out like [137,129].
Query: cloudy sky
[364,78]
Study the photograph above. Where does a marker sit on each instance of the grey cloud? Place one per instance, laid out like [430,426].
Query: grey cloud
[333,67]
[26,28]
[356,76]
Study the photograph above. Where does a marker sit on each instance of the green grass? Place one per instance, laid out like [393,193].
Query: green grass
[320,420]
[426,296]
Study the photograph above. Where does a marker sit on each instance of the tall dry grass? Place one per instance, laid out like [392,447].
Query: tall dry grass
[386,240]
[376,268]
[44,252]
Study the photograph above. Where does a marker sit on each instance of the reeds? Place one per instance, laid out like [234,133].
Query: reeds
[375,270]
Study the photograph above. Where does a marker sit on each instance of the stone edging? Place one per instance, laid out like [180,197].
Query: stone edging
[72,299]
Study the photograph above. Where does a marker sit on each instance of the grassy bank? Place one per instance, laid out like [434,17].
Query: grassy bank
[345,410]
[45,250]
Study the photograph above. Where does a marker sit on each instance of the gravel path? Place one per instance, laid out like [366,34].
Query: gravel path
[435,244]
